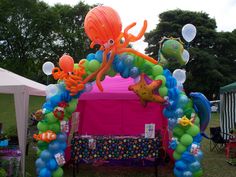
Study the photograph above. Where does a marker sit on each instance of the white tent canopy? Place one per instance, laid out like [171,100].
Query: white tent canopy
[22,88]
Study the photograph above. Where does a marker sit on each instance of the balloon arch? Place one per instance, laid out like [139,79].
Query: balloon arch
[187,117]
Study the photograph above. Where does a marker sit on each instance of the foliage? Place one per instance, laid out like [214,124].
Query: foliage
[31,32]
[212,53]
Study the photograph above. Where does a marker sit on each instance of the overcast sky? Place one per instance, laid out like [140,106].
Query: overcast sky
[224,11]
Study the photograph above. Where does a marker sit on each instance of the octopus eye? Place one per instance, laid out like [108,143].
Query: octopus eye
[111,41]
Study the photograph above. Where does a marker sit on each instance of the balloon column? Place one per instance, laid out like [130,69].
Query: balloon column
[153,83]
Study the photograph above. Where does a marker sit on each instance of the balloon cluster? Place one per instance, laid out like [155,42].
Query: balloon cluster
[73,79]
[47,164]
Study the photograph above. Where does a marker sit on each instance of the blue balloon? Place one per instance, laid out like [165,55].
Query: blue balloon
[99,55]
[183,100]
[63,146]
[188,157]
[173,93]
[54,146]
[179,113]
[52,164]
[187,174]
[178,173]
[120,67]
[171,123]
[39,163]
[166,73]
[128,61]
[173,144]
[134,72]
[66,96]
[45,173]
[171,82]
[61,137]
[125,73]
[180,165]
[48,107]
[197,138]
[168,113]
[199,155]
[45,155]
[195,166]
[90,56]
[55,100]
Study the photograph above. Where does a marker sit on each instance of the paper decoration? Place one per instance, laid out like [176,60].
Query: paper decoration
[65,126]
[60,159]
[195,149]
[149,130]
[92,143]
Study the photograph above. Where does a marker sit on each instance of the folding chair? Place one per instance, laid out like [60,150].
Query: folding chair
[217,141]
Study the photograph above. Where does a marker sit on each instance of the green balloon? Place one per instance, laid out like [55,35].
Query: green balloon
[38,152]
[42,145]
[157,70]
[111,72]
[163,91]
[186,139]
[180,148]
[138,62]
[162,78]
[173,49]
[176,155]
[197,121]
[58,172]
[72,106]
[193,130]
[76,65]
[42,126]
[188,112]
[93,65]
[178,132]
[67,115]
[86,62]
[147,68]
[50,118]
[55,127]
[198,173]
[162,60]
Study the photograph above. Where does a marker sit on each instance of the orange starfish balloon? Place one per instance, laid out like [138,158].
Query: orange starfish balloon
[146,91]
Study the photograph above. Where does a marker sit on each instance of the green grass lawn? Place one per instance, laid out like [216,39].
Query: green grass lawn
[214,164]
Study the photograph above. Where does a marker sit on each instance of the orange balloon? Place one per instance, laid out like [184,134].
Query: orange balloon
[102,25]
[66,63]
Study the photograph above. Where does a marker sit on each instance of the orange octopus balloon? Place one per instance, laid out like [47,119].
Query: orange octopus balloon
[102,25]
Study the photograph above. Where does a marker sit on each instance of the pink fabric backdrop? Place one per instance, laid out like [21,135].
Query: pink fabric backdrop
[116,110]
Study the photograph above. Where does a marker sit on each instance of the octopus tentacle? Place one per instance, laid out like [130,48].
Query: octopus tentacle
[137,53]
[104,62]
[103,70]
[141,33]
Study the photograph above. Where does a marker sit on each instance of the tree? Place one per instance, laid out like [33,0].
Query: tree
[25,27]
[205,70]
[31,32]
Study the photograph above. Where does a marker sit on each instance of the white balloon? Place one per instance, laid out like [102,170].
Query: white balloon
[51,90]
[180,75]
[189,32]
[186,56]
[47,68]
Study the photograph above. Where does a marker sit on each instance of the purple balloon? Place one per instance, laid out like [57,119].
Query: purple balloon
[88,87]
